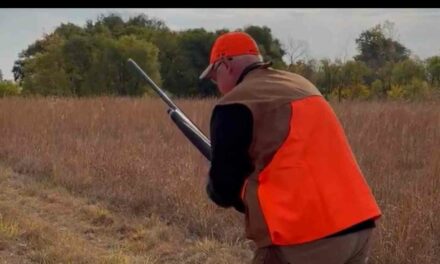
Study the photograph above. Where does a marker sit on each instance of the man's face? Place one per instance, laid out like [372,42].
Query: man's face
[223,75]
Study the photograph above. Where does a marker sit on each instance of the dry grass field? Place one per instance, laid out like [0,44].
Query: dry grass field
[112,180]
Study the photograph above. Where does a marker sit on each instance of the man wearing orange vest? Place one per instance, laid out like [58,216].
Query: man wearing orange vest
[280,155]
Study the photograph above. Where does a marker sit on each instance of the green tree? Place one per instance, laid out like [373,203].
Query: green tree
[113,22]
[433,70]
[78,57]
[91,60]
[329,76]
[353,75]
[146,55]
[44,72]
[409,80]
[27,54]
[9,88]
[270,47]
[187,58]
[354,72]
[405,71]
[307,69]
[376,49]
[69,30]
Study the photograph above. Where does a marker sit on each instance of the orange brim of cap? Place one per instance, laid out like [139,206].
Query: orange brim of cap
[207,72]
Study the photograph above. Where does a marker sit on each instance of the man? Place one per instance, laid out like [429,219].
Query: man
[280,155]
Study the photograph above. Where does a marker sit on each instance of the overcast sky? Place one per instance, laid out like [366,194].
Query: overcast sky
[330,33]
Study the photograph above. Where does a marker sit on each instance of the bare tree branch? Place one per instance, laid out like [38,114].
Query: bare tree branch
[295,50]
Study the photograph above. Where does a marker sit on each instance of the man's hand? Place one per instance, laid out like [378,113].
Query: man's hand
[237,204]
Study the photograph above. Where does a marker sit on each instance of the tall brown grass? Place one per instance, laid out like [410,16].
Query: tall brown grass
[128,153]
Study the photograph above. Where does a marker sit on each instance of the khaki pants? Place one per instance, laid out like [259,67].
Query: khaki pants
[351,248]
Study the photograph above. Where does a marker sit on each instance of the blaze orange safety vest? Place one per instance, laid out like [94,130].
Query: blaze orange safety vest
[306,184]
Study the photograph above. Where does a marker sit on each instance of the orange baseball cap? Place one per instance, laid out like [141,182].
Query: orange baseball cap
[229,45]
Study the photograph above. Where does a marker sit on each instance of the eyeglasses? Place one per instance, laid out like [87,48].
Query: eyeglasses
[214,71]
[217,66]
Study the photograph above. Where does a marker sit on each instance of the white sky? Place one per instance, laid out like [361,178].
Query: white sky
[330,33]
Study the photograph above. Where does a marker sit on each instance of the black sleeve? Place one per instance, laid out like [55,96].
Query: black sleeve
[231,136]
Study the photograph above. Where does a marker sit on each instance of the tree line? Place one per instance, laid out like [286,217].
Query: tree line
[92,61]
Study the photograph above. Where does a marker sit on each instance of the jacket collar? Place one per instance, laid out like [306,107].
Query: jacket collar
[251,67]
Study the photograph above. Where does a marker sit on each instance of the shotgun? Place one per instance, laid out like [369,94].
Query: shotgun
[186,126]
